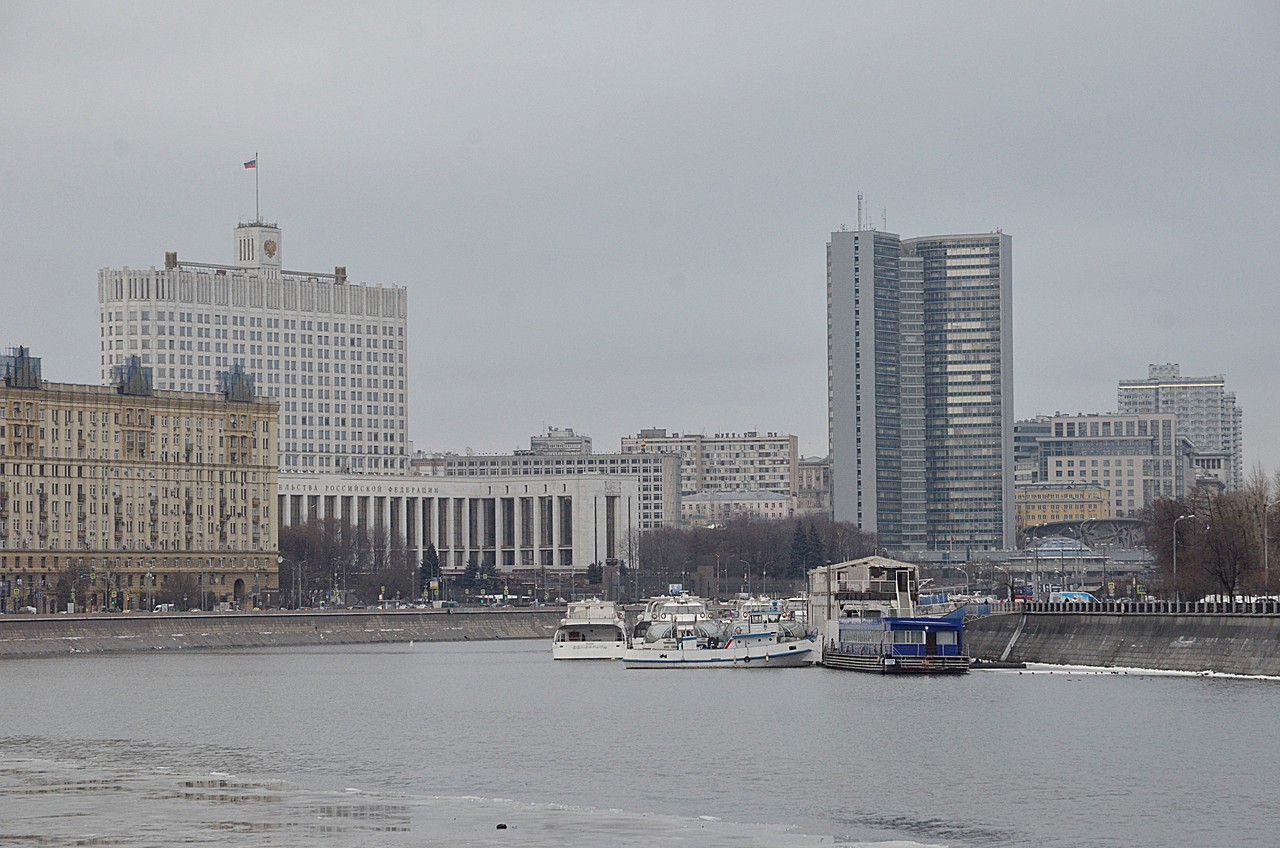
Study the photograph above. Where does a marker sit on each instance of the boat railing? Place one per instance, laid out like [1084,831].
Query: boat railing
[865,595]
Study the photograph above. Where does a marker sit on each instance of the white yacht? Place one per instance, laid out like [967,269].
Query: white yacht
[590,630]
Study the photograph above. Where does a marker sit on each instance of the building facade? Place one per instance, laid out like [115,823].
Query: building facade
[726,462]
[1041,503]
[332,353]
[658,498]
[1026,438]
[1207,415]
[920,394]
[813,487]
[1136,458]
[115,495]
[560,441]
[514,523]
[705,509]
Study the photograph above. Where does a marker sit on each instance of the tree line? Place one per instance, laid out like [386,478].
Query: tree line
[1224,541]
[750,554]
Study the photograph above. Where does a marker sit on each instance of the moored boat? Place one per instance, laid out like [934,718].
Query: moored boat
[682,633]
[869,621]
[590,630]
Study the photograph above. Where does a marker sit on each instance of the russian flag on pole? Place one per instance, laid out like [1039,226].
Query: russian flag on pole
[252,163]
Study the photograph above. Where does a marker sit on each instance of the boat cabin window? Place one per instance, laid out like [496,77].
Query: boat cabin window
[866,613]
[908,637]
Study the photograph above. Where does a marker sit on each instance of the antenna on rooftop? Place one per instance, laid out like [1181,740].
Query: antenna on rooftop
[859,211]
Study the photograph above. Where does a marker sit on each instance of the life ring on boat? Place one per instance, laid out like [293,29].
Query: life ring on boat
[747,658]
[737,630]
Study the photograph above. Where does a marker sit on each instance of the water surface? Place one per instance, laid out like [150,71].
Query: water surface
[436,744]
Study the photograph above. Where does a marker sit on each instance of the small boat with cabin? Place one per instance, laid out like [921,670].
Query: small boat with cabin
[590,630]
[868,621]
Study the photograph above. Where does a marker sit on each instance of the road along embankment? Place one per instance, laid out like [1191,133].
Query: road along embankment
[1231,644]
[29,636]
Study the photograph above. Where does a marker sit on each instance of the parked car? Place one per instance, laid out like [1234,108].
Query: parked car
[28,610]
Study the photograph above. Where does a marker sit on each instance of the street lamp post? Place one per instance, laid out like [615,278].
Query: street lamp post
[1176,595]
[1266,547]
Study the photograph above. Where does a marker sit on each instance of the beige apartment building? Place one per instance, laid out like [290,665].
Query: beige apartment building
[119,496]
[726,462]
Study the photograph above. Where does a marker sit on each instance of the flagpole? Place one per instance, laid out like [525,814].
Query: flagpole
[256,214]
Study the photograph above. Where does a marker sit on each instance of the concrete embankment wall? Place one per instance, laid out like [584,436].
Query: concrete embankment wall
[1233,644]
[27,636]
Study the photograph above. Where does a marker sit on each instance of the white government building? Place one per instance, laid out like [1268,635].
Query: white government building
[330,351]
[518,524]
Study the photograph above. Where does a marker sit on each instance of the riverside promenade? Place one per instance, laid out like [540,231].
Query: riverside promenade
[1220,637]
[58,635]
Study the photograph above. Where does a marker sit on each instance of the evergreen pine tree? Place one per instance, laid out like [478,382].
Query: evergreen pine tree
[817,551]
[430,569]
[799,560]
[471,574]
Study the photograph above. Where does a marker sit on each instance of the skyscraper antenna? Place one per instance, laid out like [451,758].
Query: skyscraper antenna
[859,211]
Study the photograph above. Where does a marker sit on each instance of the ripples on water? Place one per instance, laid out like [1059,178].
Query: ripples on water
[435,745]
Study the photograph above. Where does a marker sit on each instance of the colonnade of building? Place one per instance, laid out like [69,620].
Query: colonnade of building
[514,524]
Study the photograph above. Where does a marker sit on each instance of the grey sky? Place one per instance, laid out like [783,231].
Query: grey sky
[613,216]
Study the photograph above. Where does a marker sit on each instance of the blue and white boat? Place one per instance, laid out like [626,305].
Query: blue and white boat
[868,620]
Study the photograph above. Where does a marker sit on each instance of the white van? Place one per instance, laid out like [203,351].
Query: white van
[166,608]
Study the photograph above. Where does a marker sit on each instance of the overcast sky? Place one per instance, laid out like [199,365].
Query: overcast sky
[613,216]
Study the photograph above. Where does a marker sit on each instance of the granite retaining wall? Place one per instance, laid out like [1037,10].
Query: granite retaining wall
[30,636]
[1233,644]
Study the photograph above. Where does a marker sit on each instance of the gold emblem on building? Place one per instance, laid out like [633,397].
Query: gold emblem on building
[269,248]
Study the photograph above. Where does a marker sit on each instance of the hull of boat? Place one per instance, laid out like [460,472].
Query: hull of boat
[588,650]
[783,655]
[881,664]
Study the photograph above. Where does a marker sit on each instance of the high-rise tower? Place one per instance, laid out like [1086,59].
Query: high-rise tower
[920,402]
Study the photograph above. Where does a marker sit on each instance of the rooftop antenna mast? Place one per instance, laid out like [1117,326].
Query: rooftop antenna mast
[859,211]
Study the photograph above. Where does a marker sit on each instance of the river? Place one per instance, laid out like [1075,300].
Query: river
[438,744]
